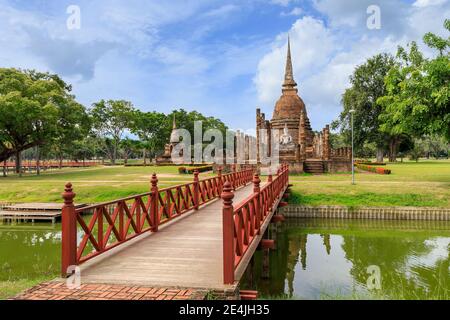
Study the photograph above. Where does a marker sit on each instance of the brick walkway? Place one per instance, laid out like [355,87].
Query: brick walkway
[56,290]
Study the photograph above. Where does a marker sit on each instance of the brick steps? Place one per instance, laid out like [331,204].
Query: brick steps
[314,167]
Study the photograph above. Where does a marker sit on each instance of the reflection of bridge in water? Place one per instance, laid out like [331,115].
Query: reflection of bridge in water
[179,236]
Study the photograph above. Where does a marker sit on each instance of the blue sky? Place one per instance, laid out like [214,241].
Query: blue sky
[222,58]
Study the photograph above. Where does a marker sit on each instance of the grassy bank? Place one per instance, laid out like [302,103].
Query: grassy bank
[90,184]
[426,183]
[12,288]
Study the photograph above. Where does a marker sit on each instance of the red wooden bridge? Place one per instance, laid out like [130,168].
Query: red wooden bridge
[196,235]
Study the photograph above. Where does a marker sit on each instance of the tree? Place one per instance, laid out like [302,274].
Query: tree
[154,128]
[186,120]
[128,147]
[32,105]
[367,85]
[433,146]
[110,120]
[417,101]
[151,128]
[74,127]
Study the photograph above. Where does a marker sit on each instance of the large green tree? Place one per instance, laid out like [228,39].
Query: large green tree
[111,120]
[418,92]
[151,128]
[367,85]
[33,107]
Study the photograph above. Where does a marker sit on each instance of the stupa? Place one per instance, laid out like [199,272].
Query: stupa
[299,146]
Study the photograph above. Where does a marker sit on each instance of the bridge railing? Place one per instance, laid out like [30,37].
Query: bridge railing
[243,223]
[90,231]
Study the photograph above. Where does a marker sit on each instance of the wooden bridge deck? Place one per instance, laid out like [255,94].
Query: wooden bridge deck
[187,252]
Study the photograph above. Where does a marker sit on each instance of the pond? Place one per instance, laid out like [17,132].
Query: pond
[354,259]
[314,259]
[29,251]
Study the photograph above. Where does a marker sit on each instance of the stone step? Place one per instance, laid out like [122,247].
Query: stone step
[314,167]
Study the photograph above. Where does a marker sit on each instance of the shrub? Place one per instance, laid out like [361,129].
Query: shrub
[190,170]
[370,163]
[373,169]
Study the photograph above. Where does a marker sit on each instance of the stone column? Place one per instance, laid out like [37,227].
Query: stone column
[258,127]
[302,138]
[326,143]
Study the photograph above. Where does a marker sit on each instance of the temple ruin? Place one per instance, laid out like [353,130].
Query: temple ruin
[299,146]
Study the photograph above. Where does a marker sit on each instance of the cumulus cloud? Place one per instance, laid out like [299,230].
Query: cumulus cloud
[311,46]
[66,57]
[204,54]
[324,56]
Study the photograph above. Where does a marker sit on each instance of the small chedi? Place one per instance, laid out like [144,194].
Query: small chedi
[166,158]
[299,146]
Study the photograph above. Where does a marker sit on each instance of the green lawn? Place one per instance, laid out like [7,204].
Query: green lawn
[91,185]
[426,183]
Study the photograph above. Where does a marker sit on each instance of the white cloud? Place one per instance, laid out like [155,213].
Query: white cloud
[311,45]
[283,3]
[221,11]
[325,56]
[297,11]
[426,3]
[154,53]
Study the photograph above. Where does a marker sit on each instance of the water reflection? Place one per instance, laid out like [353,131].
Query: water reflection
[329,259]
[29,251]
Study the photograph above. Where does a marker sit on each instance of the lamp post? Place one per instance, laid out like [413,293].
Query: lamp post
[352,111]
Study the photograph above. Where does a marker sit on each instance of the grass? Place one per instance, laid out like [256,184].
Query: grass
[90,184]
[426,183]
[12,288]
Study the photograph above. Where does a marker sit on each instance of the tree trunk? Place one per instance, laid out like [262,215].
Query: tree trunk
[38,161]
[60,161]
[380,154]
[4,168]
[144,153]
[18,163]
[114,155]
[393,145]
[125,160]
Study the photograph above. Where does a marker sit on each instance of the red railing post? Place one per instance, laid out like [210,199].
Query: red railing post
[68,231]
[258,213]
[234,177]
[269,181]
[219,177]
[287,175]
[196,190]
[228,233]
[154,203]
